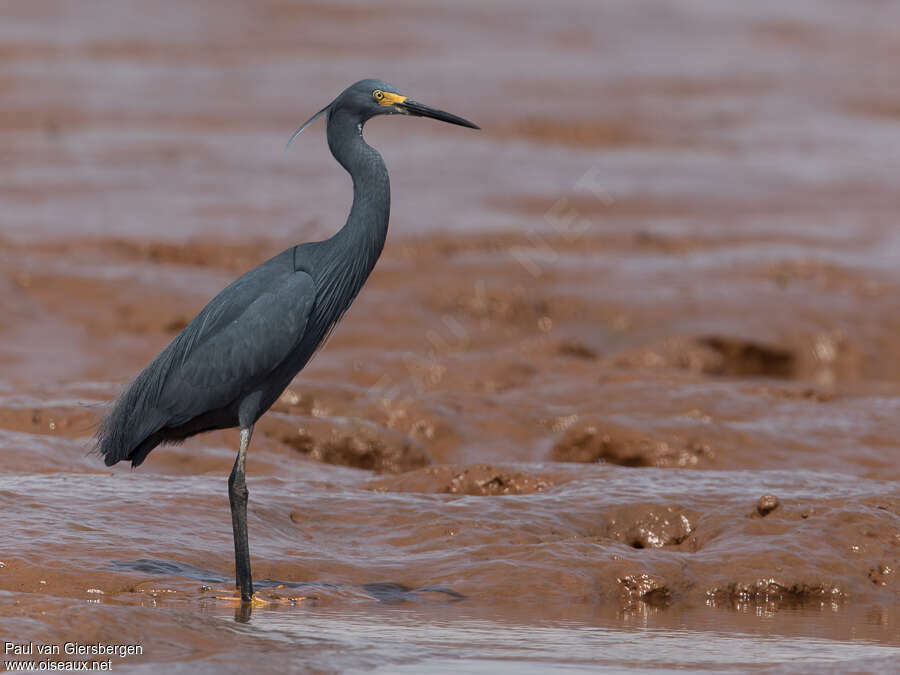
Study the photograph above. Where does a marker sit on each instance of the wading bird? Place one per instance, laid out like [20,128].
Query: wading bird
[236,357]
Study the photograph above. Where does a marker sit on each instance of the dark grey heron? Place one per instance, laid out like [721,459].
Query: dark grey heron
[236,357]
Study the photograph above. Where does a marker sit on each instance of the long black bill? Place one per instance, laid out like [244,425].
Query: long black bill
[419,110]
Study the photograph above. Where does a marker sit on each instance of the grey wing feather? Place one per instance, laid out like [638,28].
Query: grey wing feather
[217,366]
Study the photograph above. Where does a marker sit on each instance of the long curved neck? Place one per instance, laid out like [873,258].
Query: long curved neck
[366,226]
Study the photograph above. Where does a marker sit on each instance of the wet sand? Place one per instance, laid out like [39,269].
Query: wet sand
[623,391]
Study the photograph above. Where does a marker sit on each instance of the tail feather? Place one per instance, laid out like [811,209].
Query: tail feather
[130,430]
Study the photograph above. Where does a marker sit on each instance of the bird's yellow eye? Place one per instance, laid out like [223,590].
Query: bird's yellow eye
[386,98]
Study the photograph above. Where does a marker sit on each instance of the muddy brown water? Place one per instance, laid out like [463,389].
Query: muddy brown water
[623,392]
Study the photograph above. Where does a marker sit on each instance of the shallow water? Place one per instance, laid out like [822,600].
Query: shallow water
[622,392]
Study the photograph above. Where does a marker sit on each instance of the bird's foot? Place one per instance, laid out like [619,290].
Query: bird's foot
[237,601]
[256,601]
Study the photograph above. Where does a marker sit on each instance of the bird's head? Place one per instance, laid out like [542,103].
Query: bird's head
[367,98]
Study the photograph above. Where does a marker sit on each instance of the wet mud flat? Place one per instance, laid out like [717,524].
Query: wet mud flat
[622,392]
[490,466]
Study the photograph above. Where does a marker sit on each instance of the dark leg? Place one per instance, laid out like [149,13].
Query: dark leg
[237,495]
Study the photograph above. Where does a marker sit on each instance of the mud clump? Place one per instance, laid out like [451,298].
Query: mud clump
[355,443]
[773,593]
[591,441]
[767,504]
[824,358]
[648,526]
[477,480]
[646,588]
[575,350]
[739,357]
[882,575]
[715,355]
